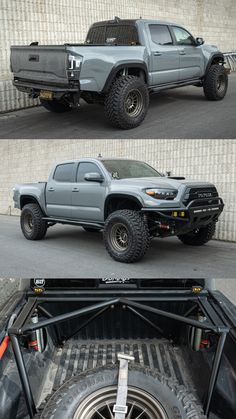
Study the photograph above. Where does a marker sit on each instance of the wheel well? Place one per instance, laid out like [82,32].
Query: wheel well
[138,70]
[217,60]
[132,71]
[121,202]
[27,199]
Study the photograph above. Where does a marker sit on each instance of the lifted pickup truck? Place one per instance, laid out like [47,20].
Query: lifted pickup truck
[128,199]
[120,63]
[118,349]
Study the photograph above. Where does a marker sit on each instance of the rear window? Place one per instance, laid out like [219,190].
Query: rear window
[113,34]
[64,172]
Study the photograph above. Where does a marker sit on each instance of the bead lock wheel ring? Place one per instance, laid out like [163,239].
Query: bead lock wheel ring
[99,405]
[28,223]
[119,237]
[133,103]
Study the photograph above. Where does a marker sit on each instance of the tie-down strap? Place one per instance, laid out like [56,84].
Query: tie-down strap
[120,409]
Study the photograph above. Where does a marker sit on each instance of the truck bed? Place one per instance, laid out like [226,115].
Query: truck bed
[77,356]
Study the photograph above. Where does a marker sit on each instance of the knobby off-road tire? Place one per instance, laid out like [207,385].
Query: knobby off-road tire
[127,102]
[32,224]
[199,236]
[126,236]
[216,83]
[55,106]
[80,397]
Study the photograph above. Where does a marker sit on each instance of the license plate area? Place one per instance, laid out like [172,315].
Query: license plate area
[46,95]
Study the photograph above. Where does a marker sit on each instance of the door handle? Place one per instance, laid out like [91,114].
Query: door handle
[182,52]
[75,190]
[157,53]
[51,190]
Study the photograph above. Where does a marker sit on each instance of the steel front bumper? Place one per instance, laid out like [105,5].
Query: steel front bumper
[194,215]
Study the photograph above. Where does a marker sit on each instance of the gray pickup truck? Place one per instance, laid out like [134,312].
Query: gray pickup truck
[120,63]
[128,199]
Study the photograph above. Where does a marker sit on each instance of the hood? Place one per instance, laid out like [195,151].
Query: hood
[157,182]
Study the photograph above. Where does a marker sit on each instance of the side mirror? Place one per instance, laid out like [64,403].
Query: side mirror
[93,177]
[200,41]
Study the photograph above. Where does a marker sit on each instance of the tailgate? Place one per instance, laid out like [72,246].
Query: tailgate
[47,64]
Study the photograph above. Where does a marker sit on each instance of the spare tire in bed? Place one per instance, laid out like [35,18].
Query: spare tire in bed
[92,395]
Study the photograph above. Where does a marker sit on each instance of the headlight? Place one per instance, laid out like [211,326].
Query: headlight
[74,62]
[167,194]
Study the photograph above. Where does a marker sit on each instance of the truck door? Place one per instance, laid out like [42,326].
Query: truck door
[191,56]
[165,58]
[58,191]
[88,196]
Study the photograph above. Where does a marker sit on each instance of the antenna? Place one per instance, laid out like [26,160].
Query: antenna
[99,156]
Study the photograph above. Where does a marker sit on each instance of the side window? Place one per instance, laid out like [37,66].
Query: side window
[86,167]
[183,37]
[64,172]
[160,34]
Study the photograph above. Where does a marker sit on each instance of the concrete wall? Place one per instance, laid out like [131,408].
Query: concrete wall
[60,21]
[207,160]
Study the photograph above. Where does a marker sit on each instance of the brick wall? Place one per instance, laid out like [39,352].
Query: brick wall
[60,21]
[206,160]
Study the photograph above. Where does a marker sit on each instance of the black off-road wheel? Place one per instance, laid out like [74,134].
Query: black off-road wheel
[215,84]
[32,224]
[92,395]
[199,236]
[127,102]
[55,105]
[126,236]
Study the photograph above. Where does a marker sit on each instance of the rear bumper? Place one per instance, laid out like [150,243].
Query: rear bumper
[33,88]
[195,214]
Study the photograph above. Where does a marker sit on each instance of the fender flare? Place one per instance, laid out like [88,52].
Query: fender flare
[219,56]
[122,196]
[31,200]
[116,68]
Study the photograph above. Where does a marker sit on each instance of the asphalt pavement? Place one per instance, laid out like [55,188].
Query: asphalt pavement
[69,251]
[176,113]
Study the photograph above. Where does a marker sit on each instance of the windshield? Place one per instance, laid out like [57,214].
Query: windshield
[119,34]
[123,169]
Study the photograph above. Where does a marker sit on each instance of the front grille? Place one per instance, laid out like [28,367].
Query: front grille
[207,195]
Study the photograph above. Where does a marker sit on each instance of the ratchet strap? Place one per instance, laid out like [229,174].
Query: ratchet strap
[120,409]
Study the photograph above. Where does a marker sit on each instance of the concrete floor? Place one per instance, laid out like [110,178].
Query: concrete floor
[69,251]
[177,113]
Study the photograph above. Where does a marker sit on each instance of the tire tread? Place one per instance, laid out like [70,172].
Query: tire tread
[40,226]
[114,102]
[139,226]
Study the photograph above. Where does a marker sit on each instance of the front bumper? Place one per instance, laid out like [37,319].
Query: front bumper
[195,215]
